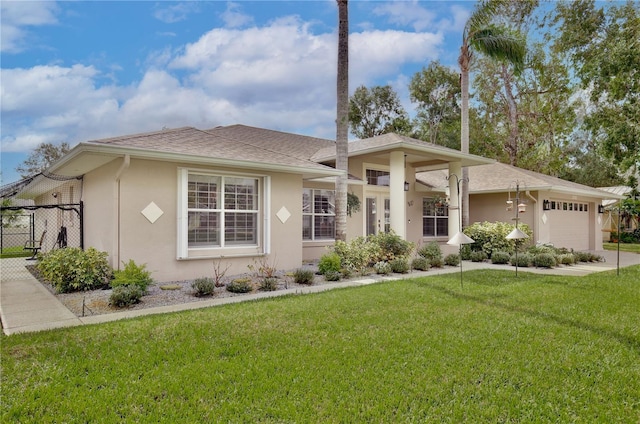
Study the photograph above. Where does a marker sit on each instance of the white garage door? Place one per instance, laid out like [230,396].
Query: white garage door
[569,224]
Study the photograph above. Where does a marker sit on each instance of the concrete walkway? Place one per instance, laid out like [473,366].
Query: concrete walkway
[27,306]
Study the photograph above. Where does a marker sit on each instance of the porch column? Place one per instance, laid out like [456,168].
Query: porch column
[455,168]
[396,193]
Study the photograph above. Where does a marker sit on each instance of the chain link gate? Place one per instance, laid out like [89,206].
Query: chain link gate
[50,221]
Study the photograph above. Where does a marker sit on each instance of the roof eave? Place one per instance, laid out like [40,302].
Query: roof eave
[118,151]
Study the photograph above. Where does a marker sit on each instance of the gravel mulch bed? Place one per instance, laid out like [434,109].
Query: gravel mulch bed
[96,302]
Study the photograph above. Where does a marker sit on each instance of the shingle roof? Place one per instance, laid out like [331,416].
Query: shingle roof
[498,177]
[235,143]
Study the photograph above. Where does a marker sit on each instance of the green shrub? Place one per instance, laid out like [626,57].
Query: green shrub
[268,284]
[452,259]
[329,262]
[420,263]
[303,276]
[390,246]
[126,295]
[582,256]
[382,267]
[566,259]
[491,236]
[357,254]
[240,285]
[400,265]
[132,275]
[523,260]
[543,248]
[332,275]
[73,269]
[478,256]
[436,262]
[431,252]
[465,252]
[204,286]
[544,260]
[500,258]
[595,258]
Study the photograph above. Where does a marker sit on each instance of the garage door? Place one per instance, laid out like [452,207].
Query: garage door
[569,224]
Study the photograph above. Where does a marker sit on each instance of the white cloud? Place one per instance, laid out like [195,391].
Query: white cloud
[279,76]
[176,12]
[407,13]
[18,16]
[233,18]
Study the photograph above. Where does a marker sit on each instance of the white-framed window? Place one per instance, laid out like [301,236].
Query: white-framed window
[435,218]
[318,214]
[219,211]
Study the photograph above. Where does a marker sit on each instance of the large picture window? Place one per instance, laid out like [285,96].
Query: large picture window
[318,214]
[221,211]
[435,218]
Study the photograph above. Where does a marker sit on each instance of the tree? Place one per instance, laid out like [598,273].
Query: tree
[530,112]
[483,35]
[41,158]
[342,120]
[602,45]
[377,111]
[436,90]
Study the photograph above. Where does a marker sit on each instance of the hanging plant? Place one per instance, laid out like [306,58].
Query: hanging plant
[353,203]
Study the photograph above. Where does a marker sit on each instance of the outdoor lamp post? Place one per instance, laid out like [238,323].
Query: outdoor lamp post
[516,234]
[459,238]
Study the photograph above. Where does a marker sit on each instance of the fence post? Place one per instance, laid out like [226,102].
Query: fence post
[81,225]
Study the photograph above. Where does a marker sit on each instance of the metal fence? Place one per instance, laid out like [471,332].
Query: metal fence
[47,227]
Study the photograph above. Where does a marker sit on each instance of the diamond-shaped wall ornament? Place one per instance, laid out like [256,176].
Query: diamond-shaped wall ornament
[599,220]
[544,218]
[283,215]
[152,212]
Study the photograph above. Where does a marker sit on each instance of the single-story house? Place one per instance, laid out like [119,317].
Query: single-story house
[559,212]
[181,199]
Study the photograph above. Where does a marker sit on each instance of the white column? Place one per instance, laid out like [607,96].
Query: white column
[397,195]
[455,168]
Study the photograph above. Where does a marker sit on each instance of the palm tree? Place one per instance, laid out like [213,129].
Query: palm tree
[342,119]
[483,35]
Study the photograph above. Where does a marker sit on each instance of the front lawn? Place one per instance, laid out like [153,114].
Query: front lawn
[535,348]
[15,252]
[624,247]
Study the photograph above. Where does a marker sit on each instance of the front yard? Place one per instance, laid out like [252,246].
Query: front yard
[536,348]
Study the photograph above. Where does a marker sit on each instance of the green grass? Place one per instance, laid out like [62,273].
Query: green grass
[624,247]
[15,252]
[535,348]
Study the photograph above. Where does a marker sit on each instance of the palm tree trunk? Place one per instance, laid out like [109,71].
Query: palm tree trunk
[464,61]
[342,119]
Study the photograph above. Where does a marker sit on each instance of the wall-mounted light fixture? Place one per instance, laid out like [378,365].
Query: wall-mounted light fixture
[406,186]
[546,205]
[600,208]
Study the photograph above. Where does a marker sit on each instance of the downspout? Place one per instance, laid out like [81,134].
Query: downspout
[536,233]
[126,161]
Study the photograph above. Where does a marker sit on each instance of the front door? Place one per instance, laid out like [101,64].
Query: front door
[378,214]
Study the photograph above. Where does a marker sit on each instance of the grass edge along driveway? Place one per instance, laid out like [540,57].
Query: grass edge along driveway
[535,348]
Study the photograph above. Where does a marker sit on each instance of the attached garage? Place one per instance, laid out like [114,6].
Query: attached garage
[569,224]
[559,212]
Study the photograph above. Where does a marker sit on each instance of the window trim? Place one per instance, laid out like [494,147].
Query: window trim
[436,217]
[263,233]
[313,215]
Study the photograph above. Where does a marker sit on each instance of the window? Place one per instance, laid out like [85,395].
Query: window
[378,178]
[220,210]
[318,214]
[435,218]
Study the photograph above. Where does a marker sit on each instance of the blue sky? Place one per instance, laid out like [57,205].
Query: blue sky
[78,71]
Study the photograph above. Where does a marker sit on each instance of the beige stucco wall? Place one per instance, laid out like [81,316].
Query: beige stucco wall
[155,244]
[579,230]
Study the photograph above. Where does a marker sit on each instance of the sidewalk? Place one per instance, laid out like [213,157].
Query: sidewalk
[27,306]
